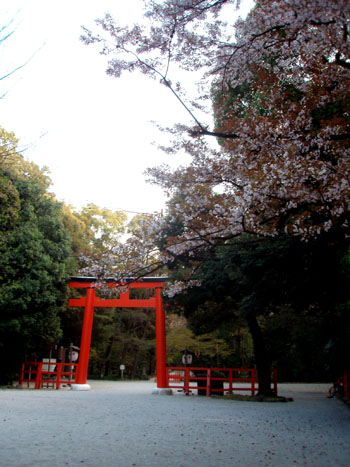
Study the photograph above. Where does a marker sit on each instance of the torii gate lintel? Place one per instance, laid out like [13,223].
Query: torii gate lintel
[90,301]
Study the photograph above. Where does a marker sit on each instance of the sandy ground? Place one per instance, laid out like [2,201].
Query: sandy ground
[124,424]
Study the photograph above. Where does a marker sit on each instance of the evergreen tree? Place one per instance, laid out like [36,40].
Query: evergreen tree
[35,261]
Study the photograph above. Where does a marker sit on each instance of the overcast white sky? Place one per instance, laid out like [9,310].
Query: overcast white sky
[94,132]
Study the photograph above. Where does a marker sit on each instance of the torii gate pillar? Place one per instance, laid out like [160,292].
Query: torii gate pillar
[162,375]
[85,342]
[91,301]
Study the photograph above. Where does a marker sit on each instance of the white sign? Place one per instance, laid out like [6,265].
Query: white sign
[49,367]
[187,359]
[122,367]
[74,355]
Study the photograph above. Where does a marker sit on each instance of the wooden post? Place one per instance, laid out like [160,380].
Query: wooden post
[39,375]
[85,342]
[208,382]
[58,375]
[187,381]
[162,380]
[21,376]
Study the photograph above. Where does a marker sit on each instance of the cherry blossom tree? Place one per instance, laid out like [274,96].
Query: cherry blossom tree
[279,81]
[276,159]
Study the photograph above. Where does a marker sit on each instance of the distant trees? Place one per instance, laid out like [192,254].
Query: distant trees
[219,348]
[123,336]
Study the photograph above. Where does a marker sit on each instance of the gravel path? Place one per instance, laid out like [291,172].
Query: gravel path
[123,424]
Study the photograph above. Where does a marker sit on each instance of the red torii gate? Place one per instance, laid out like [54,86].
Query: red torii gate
[90,301]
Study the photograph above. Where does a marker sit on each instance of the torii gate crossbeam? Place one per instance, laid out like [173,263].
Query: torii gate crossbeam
[90,301]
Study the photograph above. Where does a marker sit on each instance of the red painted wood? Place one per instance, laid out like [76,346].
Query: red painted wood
[115,302]
[162,374]
[112,285]
[32,372]
[86,337]
[183,381]
[124,301]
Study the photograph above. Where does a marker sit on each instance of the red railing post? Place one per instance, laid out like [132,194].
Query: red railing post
[21,376]
[208,382]
[230,381]
[58,375]
[86,337]
[187,381]
[38,378]
[275,381]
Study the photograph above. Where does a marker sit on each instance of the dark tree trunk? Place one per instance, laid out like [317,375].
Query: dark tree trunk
[137,354]
[261,357]
[108,356]
[135,363]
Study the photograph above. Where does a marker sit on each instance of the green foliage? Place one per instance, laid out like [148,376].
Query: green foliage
[34,261]
[103,226]
[296,290]
[210,349]
[122,337]
[78,231]
[9,203]
[12,162]
[93,233]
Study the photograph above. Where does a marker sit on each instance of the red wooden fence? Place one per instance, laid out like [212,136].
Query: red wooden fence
[202,379]
[47,374]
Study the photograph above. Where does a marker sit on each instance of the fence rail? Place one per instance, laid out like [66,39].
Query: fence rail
[209,381]
[47,374]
